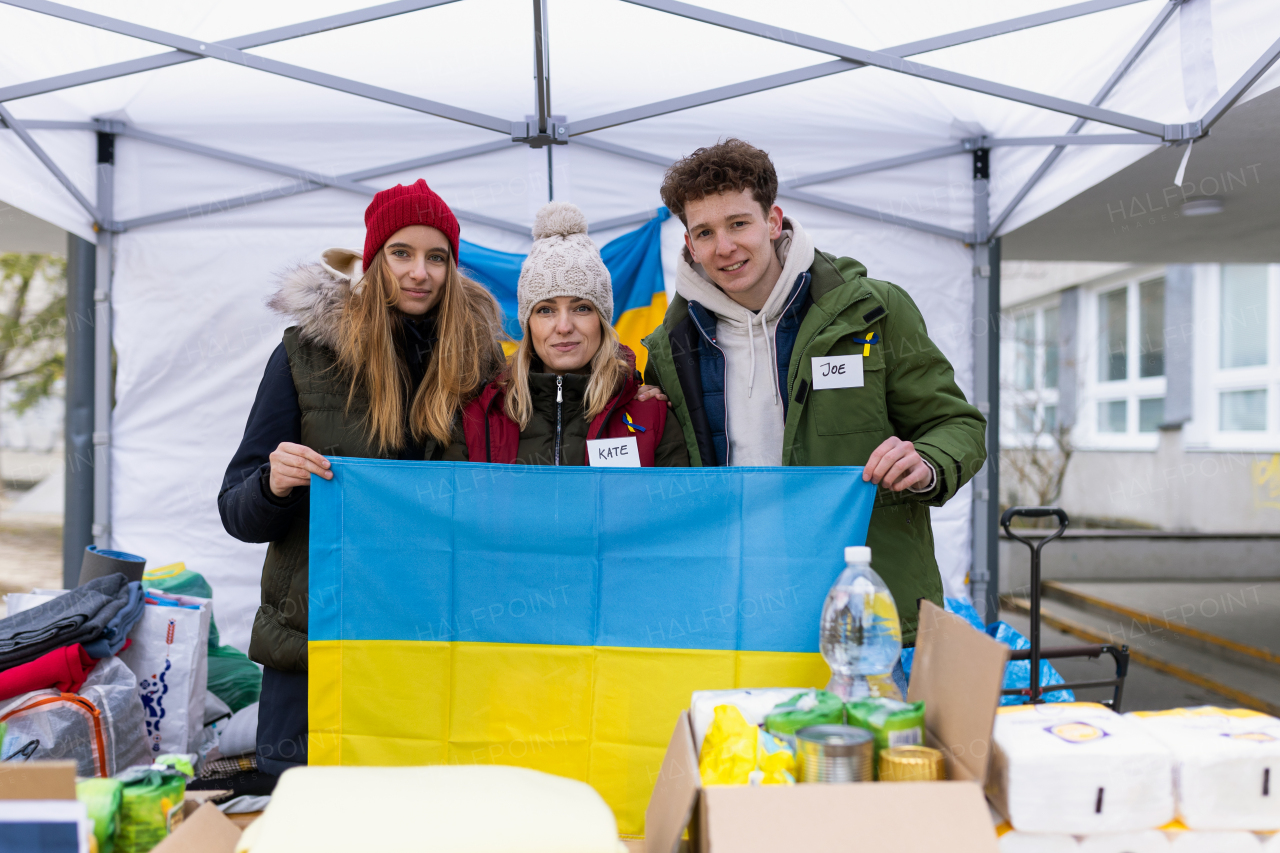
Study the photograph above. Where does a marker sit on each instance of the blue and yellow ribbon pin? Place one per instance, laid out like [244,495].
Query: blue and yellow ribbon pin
[866,345]
[632,426]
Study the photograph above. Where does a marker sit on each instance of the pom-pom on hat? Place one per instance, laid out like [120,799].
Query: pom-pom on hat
[563,262]
[400,207]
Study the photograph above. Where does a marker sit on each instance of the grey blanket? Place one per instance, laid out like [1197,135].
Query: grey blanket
[77,616]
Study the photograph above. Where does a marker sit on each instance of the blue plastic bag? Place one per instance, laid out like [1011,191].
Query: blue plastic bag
[1017,674]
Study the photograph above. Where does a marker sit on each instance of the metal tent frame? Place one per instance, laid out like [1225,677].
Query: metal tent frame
[545,129]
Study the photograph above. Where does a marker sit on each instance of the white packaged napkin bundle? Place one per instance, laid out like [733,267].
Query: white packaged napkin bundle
[1145,841]
[1214,842]
[1078,768]
[1226,765]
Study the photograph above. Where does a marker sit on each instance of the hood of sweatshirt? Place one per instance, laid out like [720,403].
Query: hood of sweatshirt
[795,252]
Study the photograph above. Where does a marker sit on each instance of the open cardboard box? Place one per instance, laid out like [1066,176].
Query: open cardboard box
[958,672]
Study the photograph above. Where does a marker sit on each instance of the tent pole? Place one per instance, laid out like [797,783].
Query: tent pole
[984,581]
[245,42]
[1153,29]
[103,386]
[77,526]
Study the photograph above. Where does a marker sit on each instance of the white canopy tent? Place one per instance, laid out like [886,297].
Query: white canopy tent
[909,135]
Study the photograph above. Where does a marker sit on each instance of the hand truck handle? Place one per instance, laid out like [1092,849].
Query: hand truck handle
[1035,512]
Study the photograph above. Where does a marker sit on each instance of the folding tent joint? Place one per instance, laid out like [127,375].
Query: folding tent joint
[973,143]
[1183,132]
[528,133]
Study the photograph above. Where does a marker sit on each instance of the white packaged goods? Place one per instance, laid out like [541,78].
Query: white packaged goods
[1146,841]
[754,704]
[1226,765]
[170,657]
[1214,842]
[461,809]
[1041,842]
[1078,768]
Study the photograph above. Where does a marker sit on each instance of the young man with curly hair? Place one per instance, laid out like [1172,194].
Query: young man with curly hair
[774,353]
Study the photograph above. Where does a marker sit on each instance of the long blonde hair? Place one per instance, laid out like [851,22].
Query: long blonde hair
[608,371]
[465,357]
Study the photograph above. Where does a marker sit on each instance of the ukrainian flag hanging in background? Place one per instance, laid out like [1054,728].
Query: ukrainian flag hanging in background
[560,617]
[634,261]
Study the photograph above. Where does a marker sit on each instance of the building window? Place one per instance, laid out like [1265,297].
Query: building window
[1242,321]
[1113,334]
[1128,385]
[1051,350]
[1243,411]
[1024,333]
[1150,414]
[1113,415]
[1029,377]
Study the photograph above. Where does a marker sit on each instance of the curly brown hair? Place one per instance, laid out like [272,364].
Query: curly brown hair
[728,166]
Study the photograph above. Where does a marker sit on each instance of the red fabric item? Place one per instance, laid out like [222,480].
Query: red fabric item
[493,437]
[63,669]
[403,206]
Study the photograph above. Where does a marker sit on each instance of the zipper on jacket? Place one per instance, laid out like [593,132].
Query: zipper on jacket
[559,413]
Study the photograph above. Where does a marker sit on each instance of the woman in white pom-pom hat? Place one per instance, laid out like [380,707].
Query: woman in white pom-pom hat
[569,393]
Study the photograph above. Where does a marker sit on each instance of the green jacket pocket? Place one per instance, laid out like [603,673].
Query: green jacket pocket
[841,411]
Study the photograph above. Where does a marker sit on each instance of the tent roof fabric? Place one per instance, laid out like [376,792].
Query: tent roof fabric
[325,93]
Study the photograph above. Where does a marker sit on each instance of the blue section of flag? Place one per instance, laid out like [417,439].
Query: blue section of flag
[715,558]
[634,261]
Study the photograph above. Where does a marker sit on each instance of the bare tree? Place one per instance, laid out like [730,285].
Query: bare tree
[1040,461]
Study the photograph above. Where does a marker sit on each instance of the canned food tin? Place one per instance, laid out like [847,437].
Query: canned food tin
[831,754]
[911,764]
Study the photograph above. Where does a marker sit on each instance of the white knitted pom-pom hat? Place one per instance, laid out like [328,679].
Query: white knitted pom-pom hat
[563,262]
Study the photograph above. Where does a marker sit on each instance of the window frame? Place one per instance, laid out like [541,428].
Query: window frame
[1096,392]
[1013,398]
[1210,379]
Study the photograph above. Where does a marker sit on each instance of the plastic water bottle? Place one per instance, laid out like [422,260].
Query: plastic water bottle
[861,637]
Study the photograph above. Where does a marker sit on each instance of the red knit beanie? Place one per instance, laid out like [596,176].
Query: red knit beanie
[402,206]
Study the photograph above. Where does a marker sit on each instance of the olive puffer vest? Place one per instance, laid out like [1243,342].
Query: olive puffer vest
[332,428]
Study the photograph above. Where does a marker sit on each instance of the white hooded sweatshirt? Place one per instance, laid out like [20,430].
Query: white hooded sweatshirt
[753,399]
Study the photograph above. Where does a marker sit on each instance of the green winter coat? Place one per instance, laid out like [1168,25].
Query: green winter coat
[909,391]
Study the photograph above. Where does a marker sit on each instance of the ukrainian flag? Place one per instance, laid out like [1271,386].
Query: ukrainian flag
[634,261]
[559,618]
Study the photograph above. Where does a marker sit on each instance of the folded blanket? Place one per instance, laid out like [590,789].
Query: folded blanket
[77,616]
[63,669]
[116,632]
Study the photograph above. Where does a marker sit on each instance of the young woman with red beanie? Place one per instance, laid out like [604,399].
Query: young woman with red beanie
[386,348]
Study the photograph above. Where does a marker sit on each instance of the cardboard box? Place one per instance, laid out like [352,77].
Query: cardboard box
[958,672]
[38,780]
[205,830]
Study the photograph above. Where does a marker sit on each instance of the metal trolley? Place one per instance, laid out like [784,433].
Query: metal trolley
[1035,654]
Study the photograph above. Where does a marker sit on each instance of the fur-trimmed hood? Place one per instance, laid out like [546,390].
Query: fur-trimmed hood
[315,295]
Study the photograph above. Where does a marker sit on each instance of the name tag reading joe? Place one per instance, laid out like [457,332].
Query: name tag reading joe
[837,371]
[614,452]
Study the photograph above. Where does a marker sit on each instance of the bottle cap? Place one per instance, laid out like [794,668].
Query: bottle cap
[911,764]
[857,554]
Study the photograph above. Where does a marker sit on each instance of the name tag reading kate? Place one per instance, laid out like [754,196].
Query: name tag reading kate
[614,452]
[837,371]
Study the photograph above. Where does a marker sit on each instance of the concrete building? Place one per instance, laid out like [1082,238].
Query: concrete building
[1152,391]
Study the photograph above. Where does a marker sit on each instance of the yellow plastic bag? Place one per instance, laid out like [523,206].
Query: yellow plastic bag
[738,753]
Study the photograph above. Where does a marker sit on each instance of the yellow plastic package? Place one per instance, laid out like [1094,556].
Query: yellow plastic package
[738,753]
